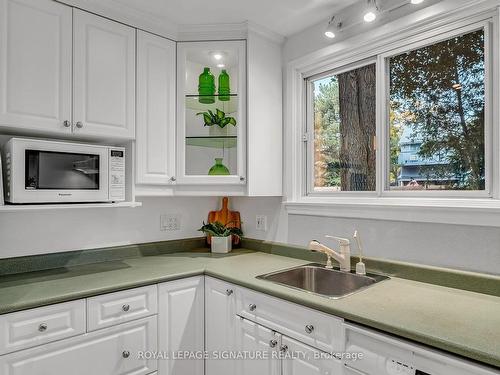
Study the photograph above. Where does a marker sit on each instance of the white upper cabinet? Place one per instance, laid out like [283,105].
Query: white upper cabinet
[211,113]
[155,138]
[35,65]
[104,77]
[265,124]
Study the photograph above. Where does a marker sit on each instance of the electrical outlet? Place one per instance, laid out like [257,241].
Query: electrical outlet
[170,222]
[261,222]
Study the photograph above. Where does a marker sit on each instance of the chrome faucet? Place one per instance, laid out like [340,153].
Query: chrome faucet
[343,257]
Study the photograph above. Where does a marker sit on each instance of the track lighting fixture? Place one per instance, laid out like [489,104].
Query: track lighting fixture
[330,29]
[371,11]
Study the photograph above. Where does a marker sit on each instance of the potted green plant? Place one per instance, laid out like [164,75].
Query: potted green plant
[221,235]
[217,122]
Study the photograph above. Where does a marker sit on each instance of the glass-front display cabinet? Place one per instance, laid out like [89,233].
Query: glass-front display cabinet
[211,114]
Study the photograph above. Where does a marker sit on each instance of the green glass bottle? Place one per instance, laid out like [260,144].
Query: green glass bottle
[224,89]
[206,87]
[218,169]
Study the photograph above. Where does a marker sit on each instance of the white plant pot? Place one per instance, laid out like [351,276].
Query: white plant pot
[221,245]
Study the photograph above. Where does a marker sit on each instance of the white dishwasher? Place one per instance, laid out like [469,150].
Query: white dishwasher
[386,355]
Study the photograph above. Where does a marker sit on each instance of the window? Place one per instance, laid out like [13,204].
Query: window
[343,124]
[433,125]
[437,116]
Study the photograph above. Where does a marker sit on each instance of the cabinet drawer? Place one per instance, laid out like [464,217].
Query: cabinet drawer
[116,308]
[319,330]
[25,329]
[111,351]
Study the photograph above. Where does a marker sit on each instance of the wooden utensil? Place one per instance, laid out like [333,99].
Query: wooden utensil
[225,216]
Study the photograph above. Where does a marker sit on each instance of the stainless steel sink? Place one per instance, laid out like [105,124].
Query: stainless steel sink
[317,279]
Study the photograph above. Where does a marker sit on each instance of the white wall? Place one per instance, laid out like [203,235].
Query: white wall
[47,231]
[471,248]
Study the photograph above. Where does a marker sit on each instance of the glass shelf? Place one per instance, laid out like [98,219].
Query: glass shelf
[227,106]
[213,141]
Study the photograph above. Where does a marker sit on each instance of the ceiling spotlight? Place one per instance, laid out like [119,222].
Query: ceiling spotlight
[330,29]
[416,2]
[371,11]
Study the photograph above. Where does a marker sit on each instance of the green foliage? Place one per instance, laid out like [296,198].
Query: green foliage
[218,229]
[218,118]
[327,129]
[439,91]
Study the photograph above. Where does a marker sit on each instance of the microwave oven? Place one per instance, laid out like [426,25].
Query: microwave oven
[41,171]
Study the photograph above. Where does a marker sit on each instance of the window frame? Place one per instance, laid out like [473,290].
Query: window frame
[383,60]
[382,66]
[309,130]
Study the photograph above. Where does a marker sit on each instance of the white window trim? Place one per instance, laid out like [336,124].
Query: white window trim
[456,208]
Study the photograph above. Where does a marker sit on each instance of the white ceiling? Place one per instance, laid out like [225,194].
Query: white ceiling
[285,17]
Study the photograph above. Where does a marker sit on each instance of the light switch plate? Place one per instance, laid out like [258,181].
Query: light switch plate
[261,222]
[170,222]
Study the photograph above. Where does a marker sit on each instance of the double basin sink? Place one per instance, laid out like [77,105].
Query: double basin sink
[315,278]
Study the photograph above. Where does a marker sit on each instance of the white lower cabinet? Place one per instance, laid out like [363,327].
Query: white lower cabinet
[301,359]
[111,351]
[258,347]
[181,326]
[220,324]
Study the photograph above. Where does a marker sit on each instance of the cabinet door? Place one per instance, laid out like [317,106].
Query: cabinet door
[104,77]
[261,345]
[301,359]
[181,325]
[211,78]
[155,139]
[111,351]
[220,310]
[35,65]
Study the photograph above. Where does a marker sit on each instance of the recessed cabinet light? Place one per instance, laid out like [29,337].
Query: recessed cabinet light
[416,2]
[371,11]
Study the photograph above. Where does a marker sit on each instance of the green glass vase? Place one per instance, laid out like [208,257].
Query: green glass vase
[218,169]
[224,89]
[206,87]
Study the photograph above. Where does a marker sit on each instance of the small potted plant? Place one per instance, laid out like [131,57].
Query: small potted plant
[217,122]
[221,235]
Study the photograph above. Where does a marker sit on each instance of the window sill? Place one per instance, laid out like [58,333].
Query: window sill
[477,212]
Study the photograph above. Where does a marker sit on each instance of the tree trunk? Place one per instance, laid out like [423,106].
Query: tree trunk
[357,96]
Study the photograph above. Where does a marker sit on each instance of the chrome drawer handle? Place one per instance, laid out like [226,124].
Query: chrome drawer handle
[126,307]
[42,327]
[126,354]
[309,328]
[252,307]
[229,292]
[273,343]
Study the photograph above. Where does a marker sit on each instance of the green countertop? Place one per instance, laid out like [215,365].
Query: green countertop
[462,322]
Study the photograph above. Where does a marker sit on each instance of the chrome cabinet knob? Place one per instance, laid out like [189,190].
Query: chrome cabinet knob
[252,307]
[229,292]
[242,178]
[273,343]
[173,179]
[126,307]
[125,354]
[67,124]
[284,348]
[79,124]
[42,327]
[309,328]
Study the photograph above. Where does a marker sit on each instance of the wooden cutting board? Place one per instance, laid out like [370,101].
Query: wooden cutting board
[225,216]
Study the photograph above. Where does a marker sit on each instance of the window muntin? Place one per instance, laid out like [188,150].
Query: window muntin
[343,124]
[436,111]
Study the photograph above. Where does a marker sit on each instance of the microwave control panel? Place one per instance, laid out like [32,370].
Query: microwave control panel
[116,174]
